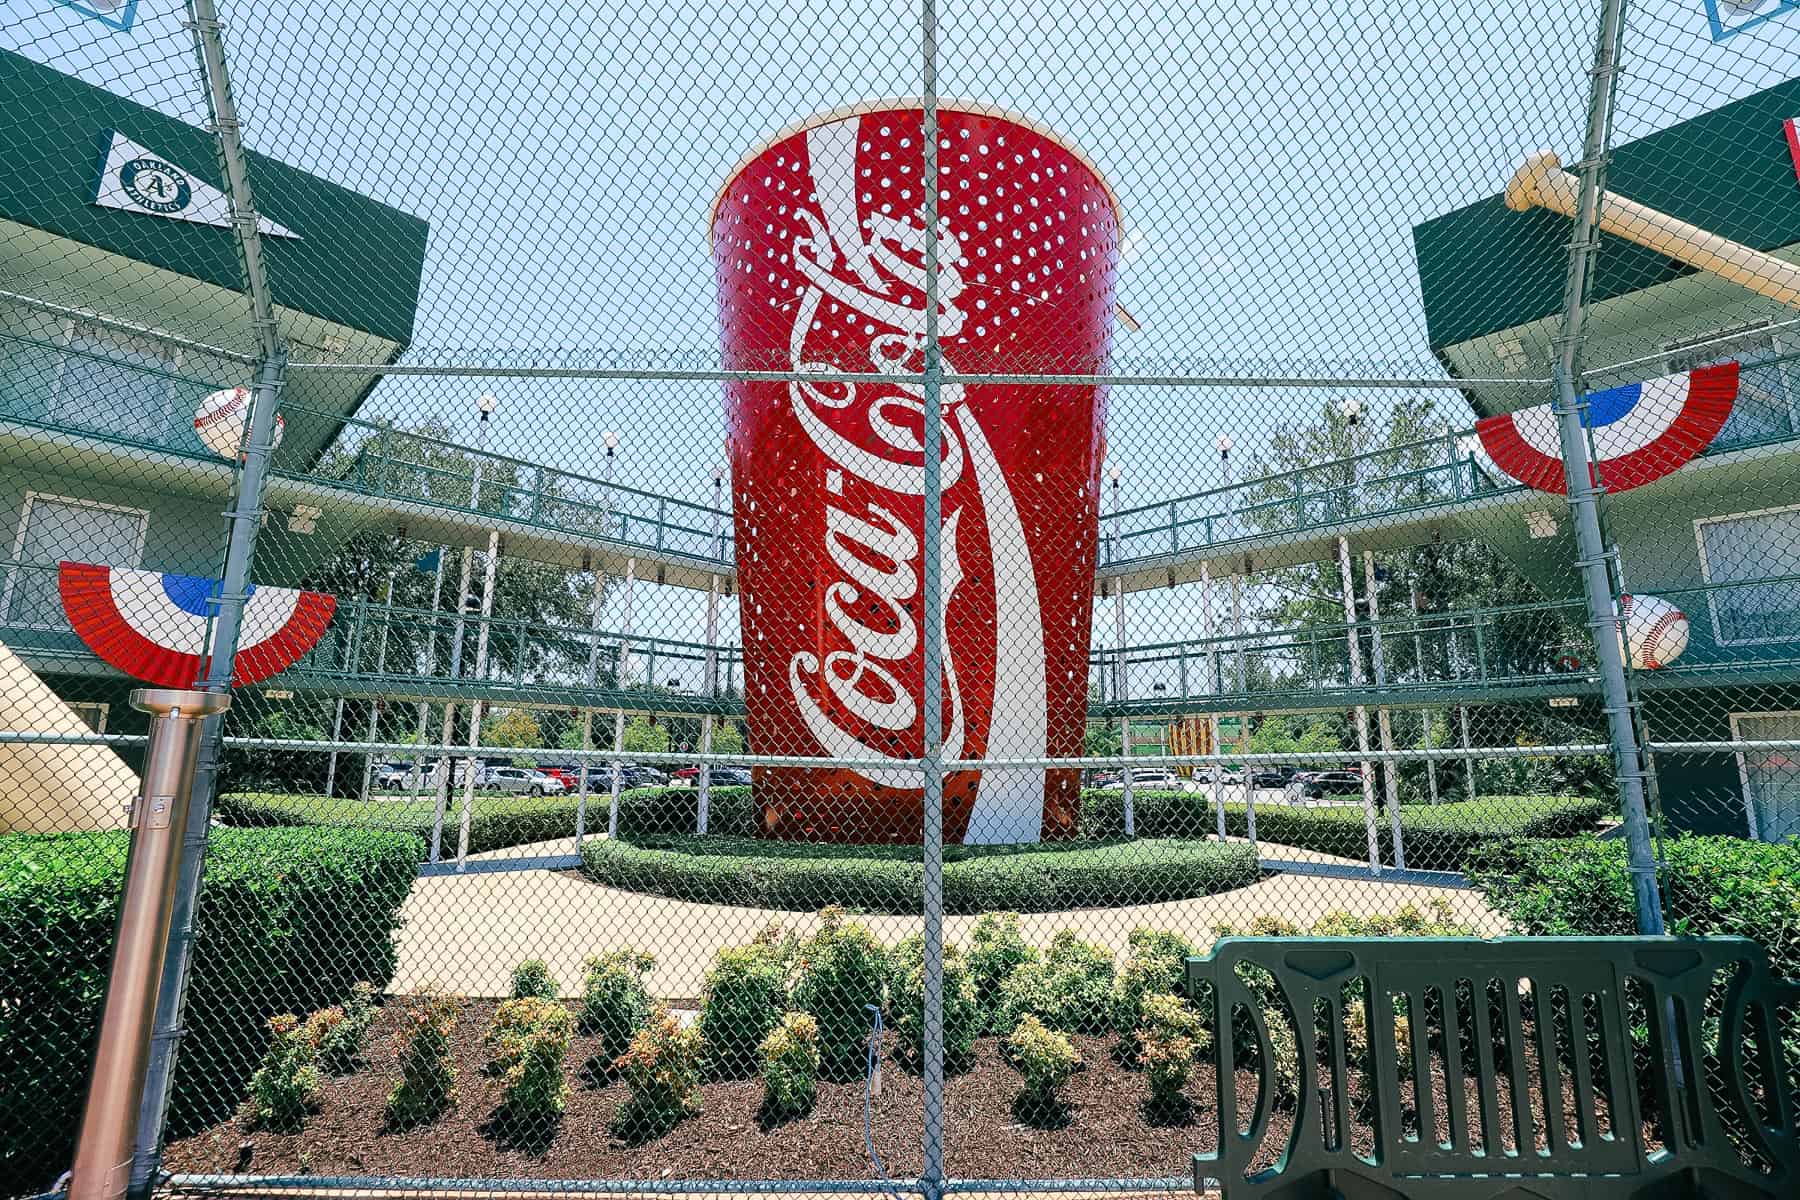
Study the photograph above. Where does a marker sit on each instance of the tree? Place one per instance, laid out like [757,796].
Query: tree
[512,728]
[642,737]
[727,738]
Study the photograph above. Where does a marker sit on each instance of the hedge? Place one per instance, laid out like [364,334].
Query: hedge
[1711,885]
[1438,836]
[800,877]
[498,822]
[289,920]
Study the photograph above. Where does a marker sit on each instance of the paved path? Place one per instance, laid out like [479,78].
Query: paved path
[467,932]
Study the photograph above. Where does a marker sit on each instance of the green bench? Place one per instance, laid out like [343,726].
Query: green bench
[1335,1107]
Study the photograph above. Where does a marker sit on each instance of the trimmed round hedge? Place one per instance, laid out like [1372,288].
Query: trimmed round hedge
[802,877]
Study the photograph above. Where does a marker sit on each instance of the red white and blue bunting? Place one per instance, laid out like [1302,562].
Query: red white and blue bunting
[152,625]
[1641,431]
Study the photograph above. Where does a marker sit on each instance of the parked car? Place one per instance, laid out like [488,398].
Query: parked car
[568,774]
[722,776]
[636,775]
[1270,777]
[1316,785]
[519,781]
[396,775]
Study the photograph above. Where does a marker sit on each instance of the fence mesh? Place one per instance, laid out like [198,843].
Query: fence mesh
[594,651]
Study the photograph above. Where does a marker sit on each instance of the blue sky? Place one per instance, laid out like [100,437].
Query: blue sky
[1270,160]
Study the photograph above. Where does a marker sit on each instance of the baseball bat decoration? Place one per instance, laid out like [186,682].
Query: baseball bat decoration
[819,241]
[152,625]
[222,422]
[1641,431]
[1655,632]
[1540,182]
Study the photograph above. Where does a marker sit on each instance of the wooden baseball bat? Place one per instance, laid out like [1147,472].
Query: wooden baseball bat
[1542,182]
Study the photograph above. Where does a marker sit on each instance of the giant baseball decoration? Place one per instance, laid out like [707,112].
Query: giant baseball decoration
[1642,431]
[222,422]
[819,244]
[1655,632]
[153,625]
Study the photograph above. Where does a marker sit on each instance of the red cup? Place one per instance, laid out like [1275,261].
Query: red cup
[818,240]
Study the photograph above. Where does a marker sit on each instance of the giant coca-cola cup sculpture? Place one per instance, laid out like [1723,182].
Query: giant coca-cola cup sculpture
[819,245]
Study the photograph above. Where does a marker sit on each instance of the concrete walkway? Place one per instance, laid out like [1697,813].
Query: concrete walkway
[467,932]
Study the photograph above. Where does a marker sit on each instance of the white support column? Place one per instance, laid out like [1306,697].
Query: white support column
[1362,713]
[475,709]
[337,735]
[1121,693]
[1390,770]
[587,714]
[1469,762]
[1242,685]
[1424,713]
[1208,630]
[624,667]
[381,643]
[704,781]
[445,776]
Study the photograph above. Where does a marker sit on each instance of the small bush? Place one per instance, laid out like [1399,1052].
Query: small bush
[662,1069]
[1167,1015]
[1070,989]
[427,1083]
[746,995]
[996,950]
[790,1066]
[842,970]
[1156,963]
[963,1018]
[338,1032]
[532,1086]
[614,1002]
[1168,1065]
[512,1025]
[532,978]
[1047,1060]
[286,1087]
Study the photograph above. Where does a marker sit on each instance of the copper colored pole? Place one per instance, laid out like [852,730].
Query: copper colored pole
[158,818]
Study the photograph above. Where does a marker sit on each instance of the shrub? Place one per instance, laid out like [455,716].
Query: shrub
[1167,1015]
[996,950]
[1168,1065]
[532,1085]
[1437,836]
[1711,885]
[801,877]
[1407,920]
[1047,1060]
[790,1066]
[963,1018]
[614,1002]
[292,918]
[842,971]
[286,1087]
[532,978]
[746,995]
[1069,989]
[427,1083]
[1156,963]
[662,1069]
[337,1032]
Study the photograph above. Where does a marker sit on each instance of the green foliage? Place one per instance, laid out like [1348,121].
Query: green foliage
[253,769]
[1438,919]
[996,949]
[337,1032]
[790,1066]
[1711,885]
[1155,964]
[1438,836]
[286,1087]
[842,970]
[535,1041]
[512,1025]
[427,1083]
[1069,989]
[800,877]
[1168,1060]
[746,995]
[964,1019]
[513,728]
[642,737]
[727,738]
[1047,1060]
[293,918]
[532,978]
[662,1069]
[614,1002]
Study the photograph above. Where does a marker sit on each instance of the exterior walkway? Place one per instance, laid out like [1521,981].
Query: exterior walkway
[467,932]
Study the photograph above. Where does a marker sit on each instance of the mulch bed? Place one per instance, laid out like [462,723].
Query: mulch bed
[1107,1132]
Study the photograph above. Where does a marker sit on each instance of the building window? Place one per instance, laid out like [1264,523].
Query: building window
[114,383]
[93,715]
[53,529]
[1768,388]
[1771,778]
[1738,554]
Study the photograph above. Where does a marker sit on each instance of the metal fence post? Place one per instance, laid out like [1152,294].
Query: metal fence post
[1584,507]
[109,1124]
[244,520]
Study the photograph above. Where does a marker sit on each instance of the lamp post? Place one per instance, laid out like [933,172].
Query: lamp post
[1121,686]
[711,682]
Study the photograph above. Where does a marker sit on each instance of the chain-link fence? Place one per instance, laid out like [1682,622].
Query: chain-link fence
[782,568]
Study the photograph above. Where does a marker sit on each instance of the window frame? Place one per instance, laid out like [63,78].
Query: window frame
[1706,576]
[101,709]
[14,563]
[1737,735]
[173,359]
[1678,353]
